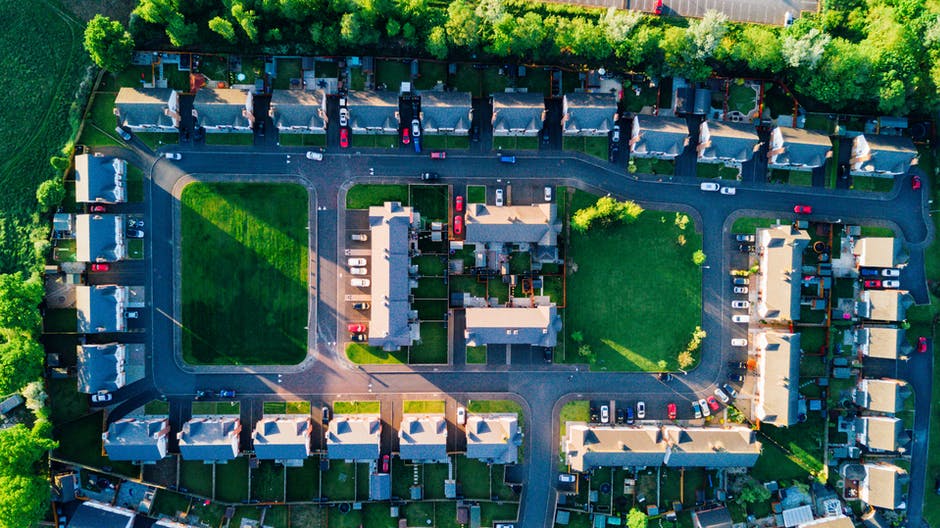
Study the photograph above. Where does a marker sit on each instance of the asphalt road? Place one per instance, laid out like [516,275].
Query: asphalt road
[541,389]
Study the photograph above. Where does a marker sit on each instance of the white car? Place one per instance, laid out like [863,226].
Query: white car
[640,410]
[499,197]
[890,272]
[356,262]
[343,117]
[548,193]
[360,283]
[742,305]
[704,405]
[359,237]
[173,155]
[461,415]
[739,342]
[605,414]
[729,190]
[722,396]
[132,314]
[615,137]
[890,284]
[740,318]
[709,186]
[101,397]
[316,156]
[740,289]
[358,271]
[415,128]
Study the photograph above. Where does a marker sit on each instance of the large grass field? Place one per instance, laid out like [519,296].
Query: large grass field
[244,273]
[636,295]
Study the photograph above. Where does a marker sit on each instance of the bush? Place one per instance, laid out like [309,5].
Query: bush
[50,193]
[605,212]
[698,258]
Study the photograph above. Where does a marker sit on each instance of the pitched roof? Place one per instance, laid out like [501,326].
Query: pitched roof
[780,256]
[882,395]
[99,238]
[880,433]
[94,514]
[139,440]
[537,326]
[591,113]
[880,342]
[297,110]
[445,112]
[777,392]
[879,252]
[354,437]
[493,437]
[147,107]
[711,447]
[100,179]
[423,437]
[882,485]
[797,148]
[533,224]
[100,308]
[730,142]
[658,136]
[373,111]
[389,322]
[713,518]
[210,438]
[880,154]
[282,438]
[884,305]
[517,113]
[829,522]
[222,107]
[100,367]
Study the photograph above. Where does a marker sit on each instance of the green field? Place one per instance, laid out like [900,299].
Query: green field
[636,295]
[244,280]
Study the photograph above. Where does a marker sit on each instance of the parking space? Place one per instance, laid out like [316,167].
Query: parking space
[356,261]
[409,132]
[618,142]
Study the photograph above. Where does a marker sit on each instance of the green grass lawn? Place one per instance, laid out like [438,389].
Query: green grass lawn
[801,178]
[155,140]
[374,140]
[253,308]
[267,481]
[169,503]
[229,138]
[636,295]
[357,407]
[774,464]
[65,403]
[876,231]
[80,441]
[370,355]
[476,194]
[491,511]
[423,406]
[392,73]
[60,320]
[157,407]
[716,170]
[100,122]
[749,225]
[135,248]
[476,355]
[431,288]
[231,480]
[516,142]
[433,345]
[429,72]
[215,408]
[338,481]
[196,477]
[537,80]
[287,69]
[741,98]
[302,140]
[865,183]
[634,103]
[653,166]
[444,142]
[496,406]
[596,146]
[801,443]
[303,483]
[430,201]
[474,476]
[574,411]
[135,184]
[286,407]
[429,265]
[366,195]
[430,310]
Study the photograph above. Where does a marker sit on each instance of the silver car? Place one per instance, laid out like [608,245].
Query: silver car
[640,410]
[499,197]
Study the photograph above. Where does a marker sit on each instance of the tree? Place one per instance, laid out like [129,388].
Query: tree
[19,302]
[759,48]
[605,212]
[686,359]
[108,43]
[698,258]
[584,350]
[752,492]
[20,448]
[577,336]
[21,359]
[705,34]
[437,42]
[50,193]
[805,51]
[637,519]
[463,24]
[25,500]
[247,19]
[59,163]
[181,33]
[223,27]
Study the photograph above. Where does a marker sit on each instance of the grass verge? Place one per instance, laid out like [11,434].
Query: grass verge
[366,195]
[357,407]
[423,406]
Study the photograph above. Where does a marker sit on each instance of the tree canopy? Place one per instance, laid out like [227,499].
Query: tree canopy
[605,212]
[108,43]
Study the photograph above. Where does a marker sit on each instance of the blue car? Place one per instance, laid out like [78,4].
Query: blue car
[226,393]
[869,272]
[507,158]
[417,143]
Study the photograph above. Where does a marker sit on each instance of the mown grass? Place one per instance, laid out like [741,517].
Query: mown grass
[596,146]
[244,273]
[423,406]
[366,195]
[357,407]
[516,142]
[370,355]
[574,411]
[476,355]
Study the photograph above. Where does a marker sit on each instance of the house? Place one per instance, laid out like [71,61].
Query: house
[423,438]
[526,227]
[148,109]
[780,259]
[373,112]
[589,446]
[882,395]
[284,439]
[210,439]
[101,367]
[142,441]
[881,156]
[882,342]
[99,238]
[658,137]
[392,324]
[354,437]
[446,112]
[798,149]
[880,433]
[776,394]
[518,114]
[883,485]
[101,308]
[879,252]
[101,179]
[728,143]
[298,111]
[224,110]
[714,517]
[838,521]
[493,438]
[94,514]
[513,325]
[588,114]
[883,305]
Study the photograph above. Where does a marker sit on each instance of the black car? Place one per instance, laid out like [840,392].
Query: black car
[430,176]
[547,354]
[744,248]
[734,376]
[546,138]
[620,416]
[202,395]
[326,414]
[665,376]
[737,364]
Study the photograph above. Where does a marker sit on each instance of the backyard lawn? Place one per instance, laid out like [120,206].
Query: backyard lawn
[80,441]
[366,195]
[196,477]
[303,483]
[433,345]
[231,480]
[637,294]
[252,309]
[100,122]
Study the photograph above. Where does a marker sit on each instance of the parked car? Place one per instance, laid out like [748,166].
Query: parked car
[361,306]
[343,117]
[739,342]
[344,137]
[567,478]
[741,281]
[125,135]
[98,208]
[621,415]
[356,261]
[665,376]
[499,197]
[890,272]
[745,248]
[742,290]
[100,266]
[709,186]
[787,19]
[921,344]
[869,272]
[915,183]
[737,364]
[132,314]
[475,133]
[722,396]
[729,390]
[417,144]
[631,418]
[802,209]
[458,204]
[101,397]
[135,233]
[358,271]
[134,222]
[704,405]
[872,284]
[406,137]
[605,414]
[359,237]
[360,283]
[173,155]
[357,328]
[548,354]
[226,393]
[386,463]
[315,156]
[358,338]
[430,176]
[671,411]
[202,395]
[325,415]
[415,128]
[891,283]
[740,318]
[729,191]
[438,154]
[658,8]
[458,225]
[640,410]
[615,135]
[461,415]
[713,403]
[696,410]
[734,376]
[507,158]
[744,238]
[740,305]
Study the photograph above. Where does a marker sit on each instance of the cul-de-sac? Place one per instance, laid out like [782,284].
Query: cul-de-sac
[469,263]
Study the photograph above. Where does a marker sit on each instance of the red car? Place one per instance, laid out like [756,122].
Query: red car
[344,137]
[459,204]
[437,154]
[658,9]
[98,209]
[356,328]
[802,209]
[458,225]
[713,404]
[915,183]
[872,284]
[921,344]
[406,136]
[100,266]
[671,411]
[385,463]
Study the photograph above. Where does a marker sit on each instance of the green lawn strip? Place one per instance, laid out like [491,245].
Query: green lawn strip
[298,407]
[215,408]
[230,138]
[357,79]
[303,483]
[135,184]
[80,441]
[65,402]
[832,166]
[430,201]
[498,483]
[338,481]
[376,514]
[374,140]
[60,320]
[445,515]
[872,184]
[812,339]
[775,464]
[196,477]
[267,482]
[597,146]
[157,407]
[516,142]
[370,355]
[476,355]
[419,513]
[274,407]
[476,194]
[433,479]
[168,503]
[430,310]
[264,244]
[100,121]
[392,73]
[155,140]
[135,248]
[801,442]
[433,345]
[749,225]
[819,122]
[474,476]
[554,287]
[356,407]
[423,406]
[653,166]
[403,477]
[231,480]
[351,519]
[64,249]
[301,140]
[495,406]
[574,411]
[875,231]
[430,265]
[430,288]
[801,178]
[362,482]
[429,74]
[661,304]
[491,511]
[366,195]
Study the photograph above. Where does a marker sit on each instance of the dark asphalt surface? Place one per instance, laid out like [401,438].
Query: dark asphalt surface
[541,388]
